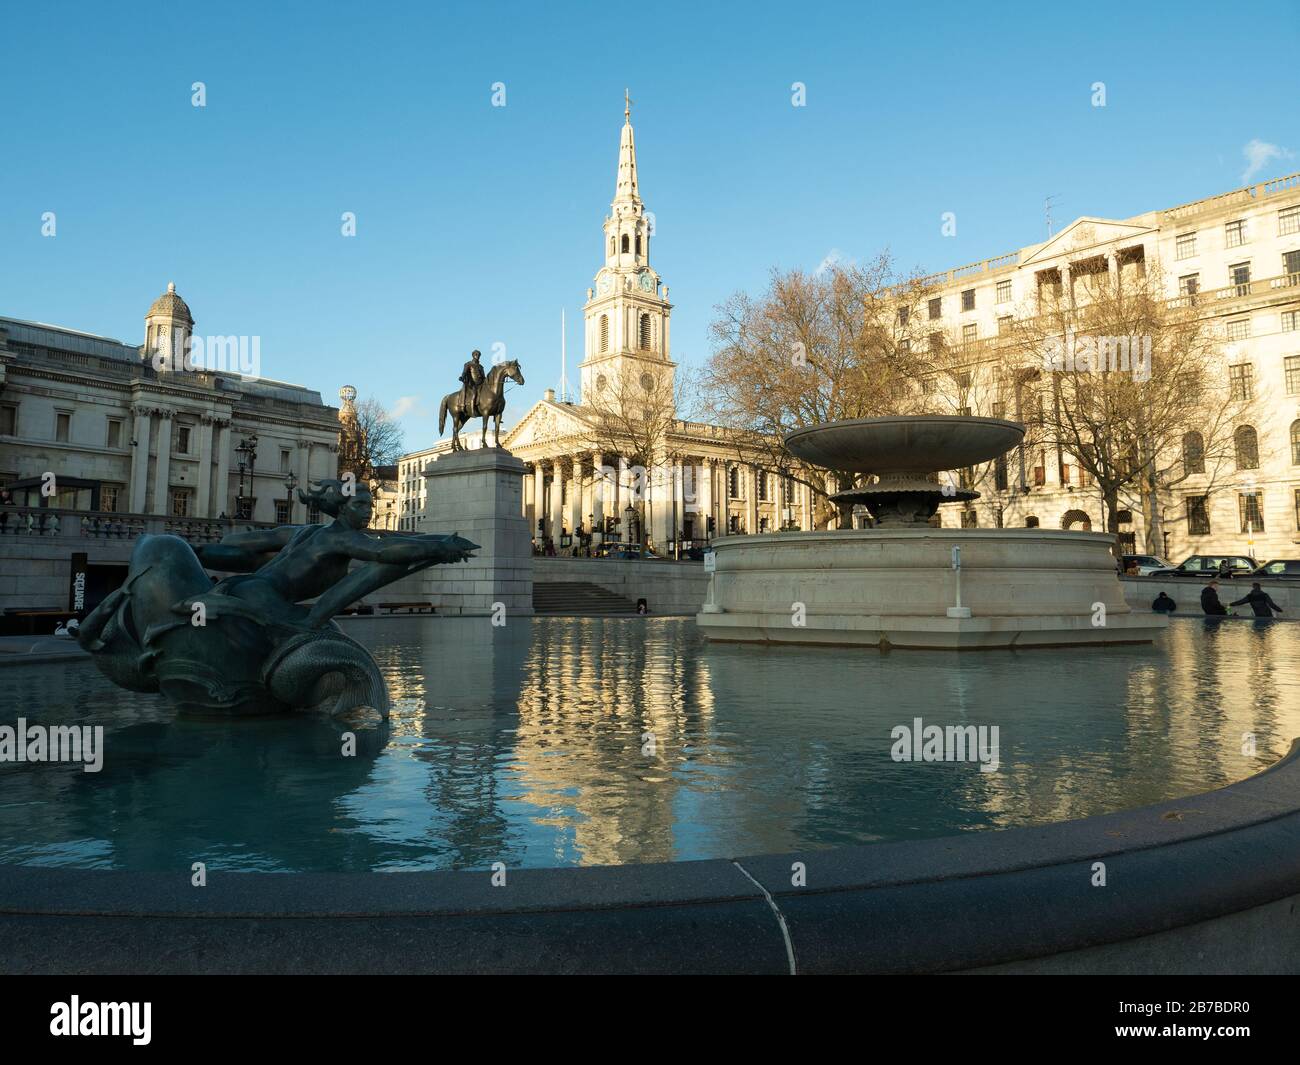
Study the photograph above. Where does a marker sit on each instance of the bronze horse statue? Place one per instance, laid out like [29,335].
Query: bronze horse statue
[489,402]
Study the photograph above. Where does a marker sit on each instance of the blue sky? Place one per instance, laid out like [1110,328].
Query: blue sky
[476,225]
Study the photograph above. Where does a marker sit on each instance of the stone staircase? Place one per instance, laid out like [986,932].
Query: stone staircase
[578,597]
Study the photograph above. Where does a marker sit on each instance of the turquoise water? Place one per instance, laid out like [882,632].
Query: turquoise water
[559,741]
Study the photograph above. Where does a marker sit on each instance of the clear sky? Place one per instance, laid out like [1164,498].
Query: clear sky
[477,224]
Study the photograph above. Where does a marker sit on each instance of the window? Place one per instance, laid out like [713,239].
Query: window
[1290,321]
[1295,442]
[1031,522]
[1250,508]
[1236,233]
[282,512]
[1239,275]
[1246,442]
[963,412]
[1198,516]
[1193,453]
[638,243]
[313,514]
[902,315]
[733,482]
[936,308]
[183,439]
[62,425]
[1004,324]
[1291,368]
[1189,284]
[285,457]
[108,497]
[8,420]
[1239,329]
[1240,379]
[905,346]
[114,438]
[760,478]
[180,507]
[969,333]
[1288,221]
[625,244]
[1185,246]
[1000,473]
[1291,263]
[968,300]
[645,332]
[1004,291]
[604,332]
[927,386]
[969,520]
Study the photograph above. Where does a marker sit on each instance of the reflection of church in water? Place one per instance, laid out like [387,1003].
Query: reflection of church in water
[696,486]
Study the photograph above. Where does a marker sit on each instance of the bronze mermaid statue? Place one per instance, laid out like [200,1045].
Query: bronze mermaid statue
[263,640]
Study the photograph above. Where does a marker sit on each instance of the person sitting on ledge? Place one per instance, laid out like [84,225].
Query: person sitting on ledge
[1162,604]
[1210,600]
[1260,602]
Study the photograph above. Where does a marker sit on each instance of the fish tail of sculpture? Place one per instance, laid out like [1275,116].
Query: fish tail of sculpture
[327,672]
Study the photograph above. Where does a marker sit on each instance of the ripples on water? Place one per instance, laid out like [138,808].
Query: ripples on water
[531,744]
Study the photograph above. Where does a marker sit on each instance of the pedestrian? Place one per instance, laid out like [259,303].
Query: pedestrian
[1260,602]
[1210,600]
[1162,604]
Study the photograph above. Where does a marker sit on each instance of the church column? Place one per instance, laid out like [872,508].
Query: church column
[162,469]
[203,502]
[557,506]
[704,496]
[805,501]
[221,504]
[751,499]
[140,462]
[599,489]
[576,514]
[539,499]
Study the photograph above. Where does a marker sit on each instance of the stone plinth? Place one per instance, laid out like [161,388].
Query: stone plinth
[897,588]
[478,494]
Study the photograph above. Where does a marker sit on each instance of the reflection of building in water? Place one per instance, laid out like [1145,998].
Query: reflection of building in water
[592,700]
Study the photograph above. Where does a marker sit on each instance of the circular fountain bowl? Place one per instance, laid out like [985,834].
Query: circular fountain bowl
[919,444]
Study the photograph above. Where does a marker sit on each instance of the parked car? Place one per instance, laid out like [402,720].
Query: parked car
[1279,568]
[1209,566]
[1146,564]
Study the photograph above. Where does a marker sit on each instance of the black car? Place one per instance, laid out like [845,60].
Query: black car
[1279,568]
[1209,566]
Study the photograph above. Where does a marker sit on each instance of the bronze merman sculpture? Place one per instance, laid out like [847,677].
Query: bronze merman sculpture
[248,644]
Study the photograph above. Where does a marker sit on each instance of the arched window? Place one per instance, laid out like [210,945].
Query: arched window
[1246,441]
[624,243]
[1031,522]
[1295,442]
[638,244]
[613,246]
[645,332]
[1193,453]
[604,332]
[1071,518]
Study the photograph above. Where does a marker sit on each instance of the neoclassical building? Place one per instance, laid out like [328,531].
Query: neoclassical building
[132,430]
[580,478]
[1235,259]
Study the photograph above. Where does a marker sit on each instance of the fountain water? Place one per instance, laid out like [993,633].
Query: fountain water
[905,583]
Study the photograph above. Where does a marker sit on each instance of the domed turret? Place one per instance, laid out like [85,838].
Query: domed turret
[167,330]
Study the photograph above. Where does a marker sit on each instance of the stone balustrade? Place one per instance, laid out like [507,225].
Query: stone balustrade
[55,522]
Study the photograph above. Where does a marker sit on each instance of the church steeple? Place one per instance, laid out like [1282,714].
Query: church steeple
[627,311]
[625,191]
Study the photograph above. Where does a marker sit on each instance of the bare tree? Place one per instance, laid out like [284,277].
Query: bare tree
[368,437]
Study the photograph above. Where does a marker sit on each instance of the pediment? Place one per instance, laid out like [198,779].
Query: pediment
[1083,234]
[546,421]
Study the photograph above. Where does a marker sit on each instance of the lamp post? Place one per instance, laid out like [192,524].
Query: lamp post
[247,452]
[629,524]
[290,483]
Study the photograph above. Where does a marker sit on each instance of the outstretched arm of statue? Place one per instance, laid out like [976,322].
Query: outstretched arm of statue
[245,552]
[407,550]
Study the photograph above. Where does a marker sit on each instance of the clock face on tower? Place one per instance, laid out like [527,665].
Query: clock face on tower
[647,281]
[604,283]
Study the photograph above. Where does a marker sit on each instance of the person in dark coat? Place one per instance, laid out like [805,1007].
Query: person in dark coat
[1162,604]
[1210,599]
[1260,602]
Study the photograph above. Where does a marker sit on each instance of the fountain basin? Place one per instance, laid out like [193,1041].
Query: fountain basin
[914,444]
[892,588]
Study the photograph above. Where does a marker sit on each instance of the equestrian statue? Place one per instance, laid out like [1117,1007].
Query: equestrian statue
[481,395]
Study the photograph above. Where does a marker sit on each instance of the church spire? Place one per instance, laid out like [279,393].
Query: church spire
[626,190]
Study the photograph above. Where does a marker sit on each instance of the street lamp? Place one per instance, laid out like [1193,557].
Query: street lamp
[629,523]
[247,452]
[290,483]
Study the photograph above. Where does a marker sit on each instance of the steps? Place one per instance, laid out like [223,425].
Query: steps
[578,597]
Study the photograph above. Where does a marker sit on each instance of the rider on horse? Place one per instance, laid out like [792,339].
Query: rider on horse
[470,378]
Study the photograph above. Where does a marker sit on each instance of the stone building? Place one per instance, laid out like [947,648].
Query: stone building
[583,484]
[1235,257]
[134,430]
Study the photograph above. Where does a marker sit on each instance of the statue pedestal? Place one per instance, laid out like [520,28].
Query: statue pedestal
[478,494]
